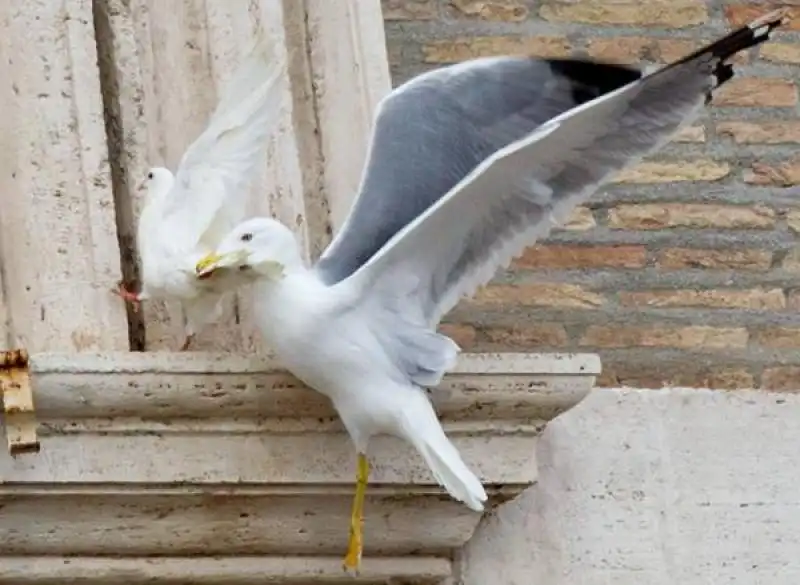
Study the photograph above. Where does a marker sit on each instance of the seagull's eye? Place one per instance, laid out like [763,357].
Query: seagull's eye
[247,237]
[149,175]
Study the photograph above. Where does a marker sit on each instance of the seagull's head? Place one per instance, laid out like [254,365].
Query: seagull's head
[158,180]
[257,248]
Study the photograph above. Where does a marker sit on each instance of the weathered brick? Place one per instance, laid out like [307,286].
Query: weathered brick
[634,50]
[669,172]
[493,10]
[791,262]
[671,13]
[777,337]
[463,48]
[785,131]
[580,219]
[733,378]
[694,337]
[690,134]
[783,174]
[684,375]
[793,221]
[527,336]
[751,260]
[409,9]
[793,300]
[782,378]
[757,299]
[726,379]
[572,257]
[757,91]
[653,216]
[741,14]
[781,52]
[464,335]
[394,53]
[555,295]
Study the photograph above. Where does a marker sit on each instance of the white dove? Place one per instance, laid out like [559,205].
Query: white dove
[185,215]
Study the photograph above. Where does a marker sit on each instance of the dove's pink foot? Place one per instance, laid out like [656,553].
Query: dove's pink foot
[127,296]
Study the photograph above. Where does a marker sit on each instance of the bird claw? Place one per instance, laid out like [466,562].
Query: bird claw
[352,561]
[351,572]
[127,296]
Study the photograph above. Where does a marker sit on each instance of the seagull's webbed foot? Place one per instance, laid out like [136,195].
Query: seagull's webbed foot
[128,296]
[355,545]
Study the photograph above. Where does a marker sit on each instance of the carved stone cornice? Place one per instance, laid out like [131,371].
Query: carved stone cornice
[175,455]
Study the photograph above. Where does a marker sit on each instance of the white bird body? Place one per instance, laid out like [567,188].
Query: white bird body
[186,215]
[167,263]
[300,316]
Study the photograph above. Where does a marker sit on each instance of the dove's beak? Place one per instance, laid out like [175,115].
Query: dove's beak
[207,265]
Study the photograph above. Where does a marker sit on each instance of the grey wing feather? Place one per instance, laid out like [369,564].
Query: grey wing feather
[434,130]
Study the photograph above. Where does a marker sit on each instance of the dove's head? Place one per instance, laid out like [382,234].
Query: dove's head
[158,181]
[257,248]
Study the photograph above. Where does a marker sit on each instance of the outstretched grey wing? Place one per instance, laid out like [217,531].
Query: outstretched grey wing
[435,129]
[518,194]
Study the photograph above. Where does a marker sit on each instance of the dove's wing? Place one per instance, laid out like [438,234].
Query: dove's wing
[210,192]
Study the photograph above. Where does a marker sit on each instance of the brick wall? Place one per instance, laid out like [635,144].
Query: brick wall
[686,271]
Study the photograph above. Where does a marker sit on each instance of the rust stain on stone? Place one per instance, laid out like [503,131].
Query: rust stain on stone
[15,389]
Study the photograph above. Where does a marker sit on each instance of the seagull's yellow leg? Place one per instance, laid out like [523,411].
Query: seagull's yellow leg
[356,542]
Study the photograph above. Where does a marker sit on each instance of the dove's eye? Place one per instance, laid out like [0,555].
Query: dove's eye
[247,237]
[149,175]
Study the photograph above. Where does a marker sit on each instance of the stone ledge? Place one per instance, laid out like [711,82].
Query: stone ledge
[164,454]
[230,571]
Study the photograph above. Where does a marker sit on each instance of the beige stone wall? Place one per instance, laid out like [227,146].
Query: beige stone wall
[683,272]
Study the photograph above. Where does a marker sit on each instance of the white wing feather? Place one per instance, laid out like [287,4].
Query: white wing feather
[210,192]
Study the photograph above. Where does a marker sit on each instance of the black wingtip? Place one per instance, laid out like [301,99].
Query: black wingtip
[717,53]
[750,35]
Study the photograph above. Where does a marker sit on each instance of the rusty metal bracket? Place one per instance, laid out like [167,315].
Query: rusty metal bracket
[17,396]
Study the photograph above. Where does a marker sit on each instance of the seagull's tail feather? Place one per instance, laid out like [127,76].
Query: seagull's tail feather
[424,431]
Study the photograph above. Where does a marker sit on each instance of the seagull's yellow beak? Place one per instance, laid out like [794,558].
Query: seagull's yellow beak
[205,266]
[208,264]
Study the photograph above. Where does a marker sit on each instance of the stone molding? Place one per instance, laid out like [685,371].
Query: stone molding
[229,470]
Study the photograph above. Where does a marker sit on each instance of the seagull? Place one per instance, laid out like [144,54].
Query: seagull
[468,164]
[186,215]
